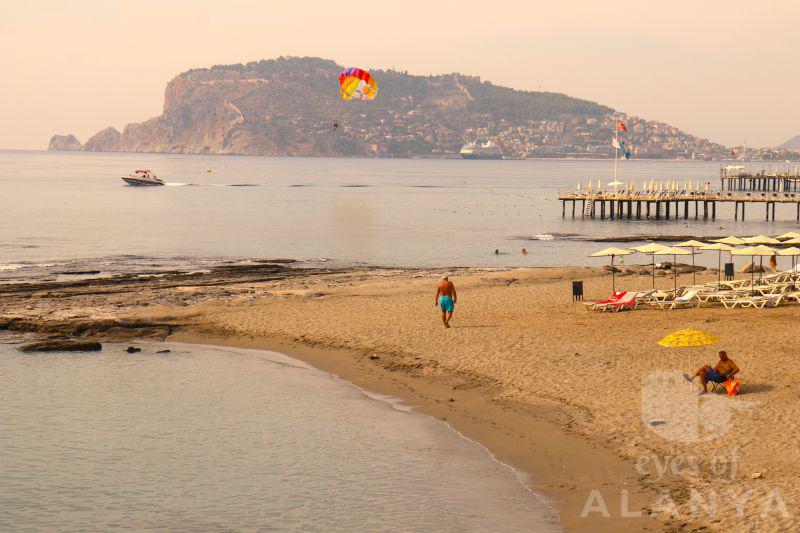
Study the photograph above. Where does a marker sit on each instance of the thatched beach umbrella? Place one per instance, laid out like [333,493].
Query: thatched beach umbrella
[761,239]
[720,247]
[761,251]
[793,252]
[651,249]
[612,252]
[694,245]
[732,241]
[789,235]
[674,252]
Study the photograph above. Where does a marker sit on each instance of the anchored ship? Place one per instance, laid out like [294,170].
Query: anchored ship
[487,150]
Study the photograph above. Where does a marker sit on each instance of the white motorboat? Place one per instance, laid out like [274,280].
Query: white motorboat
[143,177]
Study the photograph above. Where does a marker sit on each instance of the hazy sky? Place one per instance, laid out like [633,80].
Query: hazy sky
[726,70]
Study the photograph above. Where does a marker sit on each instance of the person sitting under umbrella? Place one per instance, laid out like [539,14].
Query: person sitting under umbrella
[725,370]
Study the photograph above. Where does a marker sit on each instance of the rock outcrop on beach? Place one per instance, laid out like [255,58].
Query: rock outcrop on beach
[291,106]
[65,143]
[61,345]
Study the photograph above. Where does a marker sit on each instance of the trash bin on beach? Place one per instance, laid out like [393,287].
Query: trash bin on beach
[728,271]
[577,290]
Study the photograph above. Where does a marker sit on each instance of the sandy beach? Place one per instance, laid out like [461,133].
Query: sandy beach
[549,387]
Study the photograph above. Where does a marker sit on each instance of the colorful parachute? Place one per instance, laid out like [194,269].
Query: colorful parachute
[357,84]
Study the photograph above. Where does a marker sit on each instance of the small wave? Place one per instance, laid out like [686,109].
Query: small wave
[355,186]
[301,185]
[538,237]
[171,184]
[30,264]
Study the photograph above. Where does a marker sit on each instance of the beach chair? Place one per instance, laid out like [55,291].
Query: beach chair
[686,300]
[768,301]
[626,303]
[737,301]
[614,298]
[660,296]
[716,296]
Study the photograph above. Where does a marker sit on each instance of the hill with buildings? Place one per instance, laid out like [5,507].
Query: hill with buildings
[291,106]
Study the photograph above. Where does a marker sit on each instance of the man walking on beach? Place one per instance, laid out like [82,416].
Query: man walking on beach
[446,298]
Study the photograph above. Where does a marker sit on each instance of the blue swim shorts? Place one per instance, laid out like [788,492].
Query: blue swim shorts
[446,303]
[716,377]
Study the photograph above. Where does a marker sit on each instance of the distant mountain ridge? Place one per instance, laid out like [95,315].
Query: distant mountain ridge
[288,106]
[792,144]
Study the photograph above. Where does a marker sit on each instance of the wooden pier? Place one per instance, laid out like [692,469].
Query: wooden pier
[736,178]
[667,205]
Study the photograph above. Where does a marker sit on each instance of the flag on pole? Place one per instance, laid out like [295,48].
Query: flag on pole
[621,126]
[615,143]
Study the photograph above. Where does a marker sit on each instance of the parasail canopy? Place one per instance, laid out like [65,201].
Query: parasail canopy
[357,84]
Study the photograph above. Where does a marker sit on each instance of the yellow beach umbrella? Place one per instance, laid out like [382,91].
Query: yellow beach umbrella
[789,235]
[694,245]
[612,252]
[688,338]
[792,241]
[674,252]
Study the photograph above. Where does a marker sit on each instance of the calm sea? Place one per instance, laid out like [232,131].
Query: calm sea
[68,212]
[212,439]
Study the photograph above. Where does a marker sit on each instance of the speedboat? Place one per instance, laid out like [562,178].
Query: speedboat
[142,176]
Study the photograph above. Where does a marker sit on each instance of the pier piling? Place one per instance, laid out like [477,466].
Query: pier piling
[659,205]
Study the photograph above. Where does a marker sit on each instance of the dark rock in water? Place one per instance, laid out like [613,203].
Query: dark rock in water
[283,260]
[132,349]
[61,345]
[164,351]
